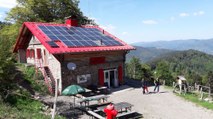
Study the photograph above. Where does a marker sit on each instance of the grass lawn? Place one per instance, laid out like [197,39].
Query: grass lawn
[194,98]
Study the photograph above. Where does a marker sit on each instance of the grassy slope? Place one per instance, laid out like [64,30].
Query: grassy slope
[24,108]
[19,105]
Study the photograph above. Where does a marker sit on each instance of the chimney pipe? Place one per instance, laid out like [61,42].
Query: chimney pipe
[71,21]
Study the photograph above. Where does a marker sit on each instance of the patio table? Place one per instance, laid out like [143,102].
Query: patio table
[120,107]
[99,98]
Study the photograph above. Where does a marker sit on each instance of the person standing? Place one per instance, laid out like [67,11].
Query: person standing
[180,84]
[157,84]
[110,111]
[144,86]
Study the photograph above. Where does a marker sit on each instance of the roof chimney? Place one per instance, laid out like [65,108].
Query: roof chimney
[71,21]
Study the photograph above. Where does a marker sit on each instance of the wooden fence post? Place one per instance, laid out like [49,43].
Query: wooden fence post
[55,100]
[201,93]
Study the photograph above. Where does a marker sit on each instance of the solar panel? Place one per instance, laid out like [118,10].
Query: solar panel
[52,44]
[77,36]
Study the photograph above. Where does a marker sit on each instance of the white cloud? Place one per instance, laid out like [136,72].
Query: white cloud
[7,3]
[150,22]
[124,33]
[183,14]
[172,18]
[199,13]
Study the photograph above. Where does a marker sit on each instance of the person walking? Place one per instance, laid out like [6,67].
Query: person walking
[144,86]
[157,84]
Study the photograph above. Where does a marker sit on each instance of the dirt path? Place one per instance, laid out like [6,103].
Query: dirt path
[163,105]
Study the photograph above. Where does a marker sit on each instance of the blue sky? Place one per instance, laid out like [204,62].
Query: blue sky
[147,20]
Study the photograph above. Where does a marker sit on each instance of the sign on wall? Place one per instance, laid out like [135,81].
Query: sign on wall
[83,78]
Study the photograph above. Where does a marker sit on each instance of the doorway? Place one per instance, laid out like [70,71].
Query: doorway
[111,78]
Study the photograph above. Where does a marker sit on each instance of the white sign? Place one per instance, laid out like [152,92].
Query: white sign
[83,78]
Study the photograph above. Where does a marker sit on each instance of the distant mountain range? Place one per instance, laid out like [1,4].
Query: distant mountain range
[146,54]
[188,62]
[196,44]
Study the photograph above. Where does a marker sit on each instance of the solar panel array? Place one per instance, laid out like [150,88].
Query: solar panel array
[77,36]
[52,44]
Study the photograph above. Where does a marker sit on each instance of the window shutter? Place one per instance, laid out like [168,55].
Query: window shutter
[38,53]
[120,74]
[28,53]
[101,77]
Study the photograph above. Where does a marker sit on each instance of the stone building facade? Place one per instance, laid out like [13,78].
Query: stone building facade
[69,54]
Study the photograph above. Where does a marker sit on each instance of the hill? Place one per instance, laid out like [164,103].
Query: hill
[196,44]
[189,62]
[146,54]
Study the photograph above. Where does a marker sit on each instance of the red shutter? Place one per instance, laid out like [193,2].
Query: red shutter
[38,53]
[101,77]
[120,74]
[28,53]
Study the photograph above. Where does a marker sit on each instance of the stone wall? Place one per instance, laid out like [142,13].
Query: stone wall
[112,61]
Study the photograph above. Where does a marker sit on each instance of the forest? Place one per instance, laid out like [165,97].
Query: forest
[194,65]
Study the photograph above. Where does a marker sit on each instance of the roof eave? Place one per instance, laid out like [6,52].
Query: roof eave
[15,49]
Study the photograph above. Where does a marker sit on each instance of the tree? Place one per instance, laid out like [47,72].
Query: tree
[6,68]
[46,11]
[210,80]
[134,69]
[163,72]
[146,71]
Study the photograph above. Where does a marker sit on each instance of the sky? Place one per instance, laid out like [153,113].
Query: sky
[146,20]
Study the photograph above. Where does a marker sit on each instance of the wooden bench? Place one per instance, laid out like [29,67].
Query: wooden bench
[93,114]
[125,114]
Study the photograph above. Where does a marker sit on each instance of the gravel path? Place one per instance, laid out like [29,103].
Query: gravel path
[163,105]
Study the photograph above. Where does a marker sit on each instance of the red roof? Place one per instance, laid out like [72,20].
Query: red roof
[31,28]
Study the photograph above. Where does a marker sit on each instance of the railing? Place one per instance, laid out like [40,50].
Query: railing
[49,80]
[203,89]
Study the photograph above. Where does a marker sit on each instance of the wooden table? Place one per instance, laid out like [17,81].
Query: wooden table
[99,98]
[120,107]
[102,89]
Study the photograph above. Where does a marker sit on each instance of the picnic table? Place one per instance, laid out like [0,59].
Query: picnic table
[124,110]
[120,107]
[103,89]
[99,98]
